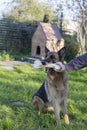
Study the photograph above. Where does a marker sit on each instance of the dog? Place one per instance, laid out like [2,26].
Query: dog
[53,92]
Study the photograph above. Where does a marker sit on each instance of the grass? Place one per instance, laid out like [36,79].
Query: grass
[16,90]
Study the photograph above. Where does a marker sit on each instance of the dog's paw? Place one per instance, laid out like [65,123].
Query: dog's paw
[66,119]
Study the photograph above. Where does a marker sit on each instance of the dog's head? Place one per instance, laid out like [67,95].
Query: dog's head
[53,57]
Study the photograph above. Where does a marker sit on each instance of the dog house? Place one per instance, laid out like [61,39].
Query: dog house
[46,37]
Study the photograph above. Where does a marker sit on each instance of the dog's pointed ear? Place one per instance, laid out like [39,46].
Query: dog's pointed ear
[61,53]
[46,51]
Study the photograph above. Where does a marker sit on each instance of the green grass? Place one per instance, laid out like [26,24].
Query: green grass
[20,85]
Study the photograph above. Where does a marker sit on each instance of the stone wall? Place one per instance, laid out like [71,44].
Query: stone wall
[15,37]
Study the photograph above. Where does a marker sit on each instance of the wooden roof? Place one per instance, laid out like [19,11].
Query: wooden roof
[51,31]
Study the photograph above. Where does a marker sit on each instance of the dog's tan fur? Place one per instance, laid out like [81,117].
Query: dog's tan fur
[57,89]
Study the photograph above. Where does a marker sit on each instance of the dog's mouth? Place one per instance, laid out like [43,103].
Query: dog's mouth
[51,59]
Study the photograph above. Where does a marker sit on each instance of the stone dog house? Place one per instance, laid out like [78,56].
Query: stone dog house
[46,37]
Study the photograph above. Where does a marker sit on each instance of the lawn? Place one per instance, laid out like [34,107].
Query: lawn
[16,90]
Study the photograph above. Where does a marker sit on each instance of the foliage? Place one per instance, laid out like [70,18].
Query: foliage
[30,10]
[4,56]
[77,12]
[72,47]
[16,90]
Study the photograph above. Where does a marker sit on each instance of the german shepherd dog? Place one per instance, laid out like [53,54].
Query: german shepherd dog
[53,92]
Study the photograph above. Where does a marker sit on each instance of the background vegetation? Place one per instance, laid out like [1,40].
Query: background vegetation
[29,11]
[16,90]
[17,87]
[18,26]
[72,48]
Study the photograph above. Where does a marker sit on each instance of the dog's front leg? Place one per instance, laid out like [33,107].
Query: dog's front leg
[56,106]
[64,109]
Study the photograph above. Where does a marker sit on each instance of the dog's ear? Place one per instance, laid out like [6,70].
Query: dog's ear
[61,53]
[46,51]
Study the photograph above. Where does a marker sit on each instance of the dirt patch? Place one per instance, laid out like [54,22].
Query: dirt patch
[12,63]
[9,65]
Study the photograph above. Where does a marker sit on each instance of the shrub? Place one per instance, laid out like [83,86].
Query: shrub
[4,56]
[72,47]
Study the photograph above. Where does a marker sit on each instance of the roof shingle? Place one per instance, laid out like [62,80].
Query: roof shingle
[51,31]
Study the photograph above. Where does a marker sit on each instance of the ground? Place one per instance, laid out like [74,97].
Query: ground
[8,65]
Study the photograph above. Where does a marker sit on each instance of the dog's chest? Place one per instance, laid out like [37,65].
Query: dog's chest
[56,91]
[56,80]
[57,95]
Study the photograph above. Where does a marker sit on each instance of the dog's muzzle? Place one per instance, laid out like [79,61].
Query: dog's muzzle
[45,62]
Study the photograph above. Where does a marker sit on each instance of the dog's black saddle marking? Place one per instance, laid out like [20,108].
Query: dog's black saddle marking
[42,93]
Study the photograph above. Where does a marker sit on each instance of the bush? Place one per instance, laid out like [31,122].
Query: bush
[4,56]
[72,48]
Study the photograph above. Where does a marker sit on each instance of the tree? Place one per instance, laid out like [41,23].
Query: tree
[30,10]
[71,47]
[79,10]
[83,19]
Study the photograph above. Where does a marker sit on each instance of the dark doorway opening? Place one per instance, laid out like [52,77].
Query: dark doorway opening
[38,50]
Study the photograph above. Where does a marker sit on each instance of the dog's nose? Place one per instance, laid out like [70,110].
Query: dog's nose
[44,62]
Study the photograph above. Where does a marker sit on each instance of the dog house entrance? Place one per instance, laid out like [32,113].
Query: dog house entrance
[38,50]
